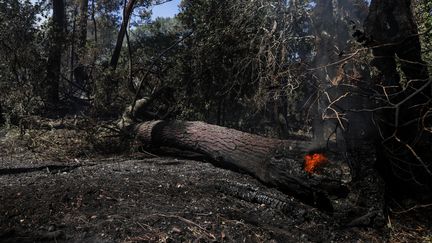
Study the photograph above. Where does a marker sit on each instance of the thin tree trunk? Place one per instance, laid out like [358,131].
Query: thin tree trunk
[130,81]
[2,121]
[120,37]
[82,25]
[94,21]
[51,89]
[104,99]
[72,52]
[80,72]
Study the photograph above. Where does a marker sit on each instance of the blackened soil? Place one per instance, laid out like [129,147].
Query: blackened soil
[161,199]
[149,199]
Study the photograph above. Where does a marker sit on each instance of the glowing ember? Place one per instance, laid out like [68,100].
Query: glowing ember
[312,161]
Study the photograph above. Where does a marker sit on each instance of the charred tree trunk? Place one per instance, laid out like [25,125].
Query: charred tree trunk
[393,35]
[2,121]
[80,72]
[72,51]
[94,21]
[277,163]
[82,24]
[121,35]
[51,86]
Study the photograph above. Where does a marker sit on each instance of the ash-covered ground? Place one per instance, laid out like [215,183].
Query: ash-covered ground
[137,197]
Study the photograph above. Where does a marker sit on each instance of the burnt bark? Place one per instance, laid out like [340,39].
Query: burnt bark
[82,24]
[393,36]
[78,53]
[276,163]
[72,52]
[94,21]
[50,92]
[255,195]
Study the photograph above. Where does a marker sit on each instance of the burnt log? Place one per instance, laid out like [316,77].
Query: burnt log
[276,163]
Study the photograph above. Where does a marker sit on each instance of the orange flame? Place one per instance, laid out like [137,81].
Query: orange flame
[312,161]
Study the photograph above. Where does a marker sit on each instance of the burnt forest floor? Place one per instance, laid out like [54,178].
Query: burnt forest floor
[53,189]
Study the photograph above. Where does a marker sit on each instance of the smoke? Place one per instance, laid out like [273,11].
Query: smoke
[341,77]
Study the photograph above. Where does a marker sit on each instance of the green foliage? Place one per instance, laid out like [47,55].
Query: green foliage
[21,60]
[149,42]
[241,62]
[423,11]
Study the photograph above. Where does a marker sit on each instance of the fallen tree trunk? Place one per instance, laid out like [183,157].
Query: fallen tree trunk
[277,163]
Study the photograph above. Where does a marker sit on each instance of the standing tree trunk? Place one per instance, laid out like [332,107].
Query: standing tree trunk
[2,121]
[51,85]
[393,36]
[94,21]
[72,51]
[104,96]
[121,35]
[80,71]
[82,25]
